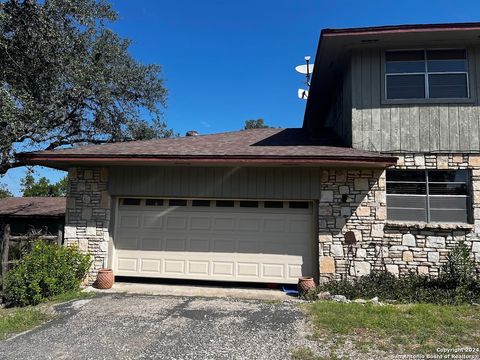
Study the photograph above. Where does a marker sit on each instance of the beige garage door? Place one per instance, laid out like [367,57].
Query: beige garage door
[256,241]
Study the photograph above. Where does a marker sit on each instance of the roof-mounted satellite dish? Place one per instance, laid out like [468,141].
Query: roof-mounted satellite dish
[305,69]
[302,94]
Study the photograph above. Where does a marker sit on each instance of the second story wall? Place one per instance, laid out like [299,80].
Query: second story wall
[437,127]
[339,118]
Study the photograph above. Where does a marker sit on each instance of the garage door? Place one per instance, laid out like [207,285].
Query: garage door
[256,241]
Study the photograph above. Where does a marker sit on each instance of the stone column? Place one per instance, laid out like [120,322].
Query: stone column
[87,217]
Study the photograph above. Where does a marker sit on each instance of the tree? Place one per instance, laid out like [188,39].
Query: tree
[66,79]
[43,187]
[255,124]
[4,192]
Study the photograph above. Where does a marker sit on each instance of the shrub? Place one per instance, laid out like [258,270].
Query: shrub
[44,272]
[460,267]
[457,283]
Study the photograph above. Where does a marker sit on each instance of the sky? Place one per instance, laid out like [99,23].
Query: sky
[225,62]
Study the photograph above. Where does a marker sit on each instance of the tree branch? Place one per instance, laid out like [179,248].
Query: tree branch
[56,144]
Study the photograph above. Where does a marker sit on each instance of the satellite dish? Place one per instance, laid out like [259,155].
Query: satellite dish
[307,71]
[304,69]
[302,94]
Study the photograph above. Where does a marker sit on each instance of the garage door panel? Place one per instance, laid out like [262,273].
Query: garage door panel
[150,265]
[246,224]
[248,269]
[152,222]
[126,242]
[274,225]
[276,271]
[175,244]
[224,224]
[199,245]
[297,226]
[127,264]
[294,271]
[222,268]
[198,267]
[223,245]
[200,223]
[207,242]
[174,266]
[151,243]
[130,221]
[249,246]
[176,223]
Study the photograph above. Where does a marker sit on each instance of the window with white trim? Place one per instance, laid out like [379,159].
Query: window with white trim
[428,195]
[426,74]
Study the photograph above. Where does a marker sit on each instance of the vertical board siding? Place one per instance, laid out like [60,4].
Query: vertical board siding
[376,123]
[425,127]
[217,182]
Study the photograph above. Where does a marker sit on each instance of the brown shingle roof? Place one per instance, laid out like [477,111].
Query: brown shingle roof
[294,143]
[33,206]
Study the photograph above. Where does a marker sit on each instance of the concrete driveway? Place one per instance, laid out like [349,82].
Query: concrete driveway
[119,326]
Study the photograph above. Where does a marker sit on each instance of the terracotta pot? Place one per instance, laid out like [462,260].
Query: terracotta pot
[105,279]
[305,284]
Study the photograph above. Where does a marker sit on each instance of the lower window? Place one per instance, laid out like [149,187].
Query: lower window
[428,195]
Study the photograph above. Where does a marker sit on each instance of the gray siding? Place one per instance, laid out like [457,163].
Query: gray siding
[422,127]
[216,182]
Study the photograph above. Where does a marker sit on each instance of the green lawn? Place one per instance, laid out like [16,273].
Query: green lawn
[20,319]
[15,320]
[415,328]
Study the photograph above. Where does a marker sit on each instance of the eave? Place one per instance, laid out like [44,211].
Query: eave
[63,163]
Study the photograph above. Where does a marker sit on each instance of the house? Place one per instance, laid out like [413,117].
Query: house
[24,214]
[383,174]
[25,218]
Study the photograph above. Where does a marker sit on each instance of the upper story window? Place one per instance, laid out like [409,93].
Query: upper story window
[426,74]
[428,195]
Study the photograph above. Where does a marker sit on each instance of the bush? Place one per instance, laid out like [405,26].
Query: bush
[46,271]
[457,283]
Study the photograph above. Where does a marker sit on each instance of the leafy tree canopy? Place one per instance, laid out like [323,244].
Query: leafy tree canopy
[255,124]
[43,186]
[66,79]
[4,192]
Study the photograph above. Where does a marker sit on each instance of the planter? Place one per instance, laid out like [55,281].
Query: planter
[305,284]
[105,279]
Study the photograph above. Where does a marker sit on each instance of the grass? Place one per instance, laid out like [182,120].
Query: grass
[305,353]
[417,328]
[16,320]
[73,295]
[20,319]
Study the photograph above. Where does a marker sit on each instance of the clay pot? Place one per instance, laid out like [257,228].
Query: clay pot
[305,284]
[105,279]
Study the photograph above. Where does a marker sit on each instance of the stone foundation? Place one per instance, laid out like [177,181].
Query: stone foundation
[88,215]
[354,200]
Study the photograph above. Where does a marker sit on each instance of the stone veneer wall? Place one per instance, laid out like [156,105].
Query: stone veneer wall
[354,200]
[87,217]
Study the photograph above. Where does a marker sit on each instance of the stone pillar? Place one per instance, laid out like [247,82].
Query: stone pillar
[88,215]
[352,200]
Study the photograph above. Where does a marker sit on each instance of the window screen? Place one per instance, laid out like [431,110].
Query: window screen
[430,196]
[424,74]
[201,203]
[131,201]
[154,202]
[177,202]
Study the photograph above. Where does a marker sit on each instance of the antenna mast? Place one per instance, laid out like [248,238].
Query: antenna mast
[307,71]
